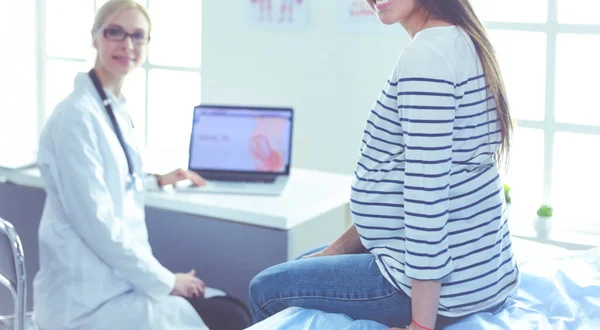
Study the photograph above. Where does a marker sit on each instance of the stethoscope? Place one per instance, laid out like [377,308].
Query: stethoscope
[134,181]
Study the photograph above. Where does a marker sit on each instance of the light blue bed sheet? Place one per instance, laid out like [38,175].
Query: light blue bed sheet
[560,293]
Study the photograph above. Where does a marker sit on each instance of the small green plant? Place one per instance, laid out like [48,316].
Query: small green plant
[507,189]
[545,211]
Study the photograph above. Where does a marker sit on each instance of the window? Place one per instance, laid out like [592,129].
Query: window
[527,96]
[578,11]
[530,11]
[548,52]
[160,95]
[18,114]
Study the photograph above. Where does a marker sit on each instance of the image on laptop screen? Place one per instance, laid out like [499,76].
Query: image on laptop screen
[241,139]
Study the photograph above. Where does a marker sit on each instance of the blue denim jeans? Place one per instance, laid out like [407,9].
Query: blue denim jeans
[347,284]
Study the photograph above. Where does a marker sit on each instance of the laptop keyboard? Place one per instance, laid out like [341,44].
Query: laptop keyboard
[237,183]
[242,180]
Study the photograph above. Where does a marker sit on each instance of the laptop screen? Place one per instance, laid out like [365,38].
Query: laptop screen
[241,139]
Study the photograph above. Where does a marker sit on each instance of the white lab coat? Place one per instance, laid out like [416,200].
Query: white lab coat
[97,270]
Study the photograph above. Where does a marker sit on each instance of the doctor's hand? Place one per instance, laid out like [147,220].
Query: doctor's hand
[187,285]
[180,175]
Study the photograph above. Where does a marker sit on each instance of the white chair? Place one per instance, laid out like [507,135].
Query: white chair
[12,275]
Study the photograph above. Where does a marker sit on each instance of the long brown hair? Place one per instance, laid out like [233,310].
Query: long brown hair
[460,13]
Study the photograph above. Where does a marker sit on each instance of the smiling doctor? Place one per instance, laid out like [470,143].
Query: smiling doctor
[97,270]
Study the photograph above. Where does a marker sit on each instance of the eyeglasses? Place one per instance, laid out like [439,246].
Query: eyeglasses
[117,33]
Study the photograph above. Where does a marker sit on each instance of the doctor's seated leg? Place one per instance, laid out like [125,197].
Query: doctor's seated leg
[223,313]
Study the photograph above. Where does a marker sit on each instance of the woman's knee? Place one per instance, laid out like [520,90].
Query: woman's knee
[258,294]
[271,283]
[259,286]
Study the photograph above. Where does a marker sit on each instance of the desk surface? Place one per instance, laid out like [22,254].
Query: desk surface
[307,195]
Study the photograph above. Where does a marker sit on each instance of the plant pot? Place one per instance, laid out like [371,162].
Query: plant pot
[543,227]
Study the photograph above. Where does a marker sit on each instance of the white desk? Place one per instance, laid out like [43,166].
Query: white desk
[310,197]
[227,238]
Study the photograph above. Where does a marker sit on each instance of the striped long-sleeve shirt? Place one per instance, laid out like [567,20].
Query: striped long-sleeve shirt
[427,199]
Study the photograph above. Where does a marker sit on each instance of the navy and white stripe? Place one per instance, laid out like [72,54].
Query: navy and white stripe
[427,197]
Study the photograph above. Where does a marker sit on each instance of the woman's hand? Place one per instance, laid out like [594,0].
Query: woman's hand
[180,175]
[187,285]
[326,252]
[317,254]
[347,243]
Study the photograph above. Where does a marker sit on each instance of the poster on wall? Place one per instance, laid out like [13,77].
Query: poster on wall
[278,14]
[357,16]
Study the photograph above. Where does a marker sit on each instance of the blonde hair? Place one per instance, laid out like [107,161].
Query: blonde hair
[111,9]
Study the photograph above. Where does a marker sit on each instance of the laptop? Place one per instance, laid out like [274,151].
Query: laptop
[241,149]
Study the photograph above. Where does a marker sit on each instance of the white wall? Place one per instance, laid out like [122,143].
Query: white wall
[329,76]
